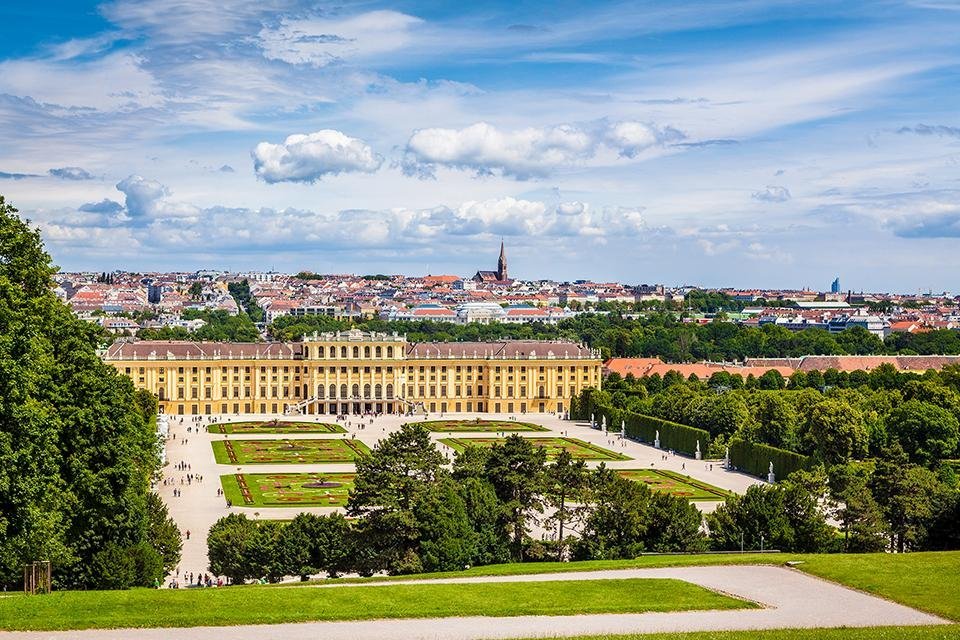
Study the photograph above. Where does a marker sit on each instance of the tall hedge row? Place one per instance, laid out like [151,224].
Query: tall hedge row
[673,436]
[755,459]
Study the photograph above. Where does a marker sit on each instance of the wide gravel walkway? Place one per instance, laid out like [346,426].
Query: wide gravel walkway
[790,599]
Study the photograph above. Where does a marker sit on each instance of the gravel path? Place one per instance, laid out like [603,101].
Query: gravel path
[790,599]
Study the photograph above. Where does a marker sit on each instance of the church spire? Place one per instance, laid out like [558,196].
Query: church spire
[502,263]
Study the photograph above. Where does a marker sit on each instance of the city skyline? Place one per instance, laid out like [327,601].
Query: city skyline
[744,144]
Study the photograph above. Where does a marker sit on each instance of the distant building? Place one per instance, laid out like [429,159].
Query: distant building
[500,276]
[154,293]
[835,286]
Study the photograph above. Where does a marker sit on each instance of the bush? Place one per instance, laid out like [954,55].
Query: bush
[755,459]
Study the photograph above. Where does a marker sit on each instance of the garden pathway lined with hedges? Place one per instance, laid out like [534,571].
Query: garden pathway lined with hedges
[790,599]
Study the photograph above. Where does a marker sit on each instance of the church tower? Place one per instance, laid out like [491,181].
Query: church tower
[502,263]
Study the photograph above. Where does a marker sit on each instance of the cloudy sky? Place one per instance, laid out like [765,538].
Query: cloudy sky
[718,142]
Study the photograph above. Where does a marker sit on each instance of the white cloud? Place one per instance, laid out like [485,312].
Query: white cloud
[148,200]
[772,193]
[529,152]
[310,157]
[322,41]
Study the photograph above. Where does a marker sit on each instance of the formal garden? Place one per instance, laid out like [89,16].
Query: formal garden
[578,449]
[479,426]
[330,451]
[275,426]
[287,489]
[675,484]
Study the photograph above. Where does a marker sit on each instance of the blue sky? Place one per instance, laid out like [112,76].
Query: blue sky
[721,143]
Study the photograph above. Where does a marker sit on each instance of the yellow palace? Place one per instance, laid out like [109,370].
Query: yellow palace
[355,372]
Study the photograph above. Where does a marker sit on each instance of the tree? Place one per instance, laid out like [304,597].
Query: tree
[163,533]
[388,484]
[196,290]
[616,524]
[775,419]
[926,432]
[229,543]
[784,516]
[565,481]
[854,507]
[447,541]
[77,449]
[515,469]
[905,493]
[837,431]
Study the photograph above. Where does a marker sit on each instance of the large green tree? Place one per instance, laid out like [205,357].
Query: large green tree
[77,442]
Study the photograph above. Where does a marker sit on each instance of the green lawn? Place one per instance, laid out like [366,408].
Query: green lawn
[331,450]
[275,426]
[287,489]
[675,484]
[268,605]
[479,426]
[579,449]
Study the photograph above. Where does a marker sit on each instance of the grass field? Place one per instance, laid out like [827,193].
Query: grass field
[288,451]
[275,426]
[579,449]
[287,489]
[479,426]
[266,605]
[675,484]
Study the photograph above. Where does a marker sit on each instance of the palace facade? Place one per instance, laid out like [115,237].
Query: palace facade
[356,372]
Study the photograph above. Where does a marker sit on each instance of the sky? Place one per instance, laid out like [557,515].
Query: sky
[753,143]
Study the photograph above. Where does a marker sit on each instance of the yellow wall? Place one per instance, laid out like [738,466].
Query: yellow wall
[354,371]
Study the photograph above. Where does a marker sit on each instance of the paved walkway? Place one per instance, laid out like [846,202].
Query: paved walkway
[790,599]
[199,506]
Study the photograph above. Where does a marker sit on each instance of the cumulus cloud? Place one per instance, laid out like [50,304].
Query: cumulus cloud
[71,173]
[322,41]
[148,200]
[105,206]
[772,193]
[632,138]
[310,157]
[526,153]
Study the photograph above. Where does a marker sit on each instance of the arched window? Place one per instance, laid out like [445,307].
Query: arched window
[389,392]
[389,352]
[356,352]
[333,391]
[356,391]
[320,390]
[378,392]
[366,352]
[542,393]
[306,352]
[320,352]
[343,391]
[161,394]
[366,392]
[379,352]
[343,352]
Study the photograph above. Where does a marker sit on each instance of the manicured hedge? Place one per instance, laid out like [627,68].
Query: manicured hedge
[755,459]
[673,436]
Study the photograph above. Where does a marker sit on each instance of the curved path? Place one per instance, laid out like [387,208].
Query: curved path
[790,599]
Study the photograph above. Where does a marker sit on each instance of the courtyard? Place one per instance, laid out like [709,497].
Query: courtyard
[579,449]
[288,489]
[274,426]
[675,484]
[479,426]
[299,451]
